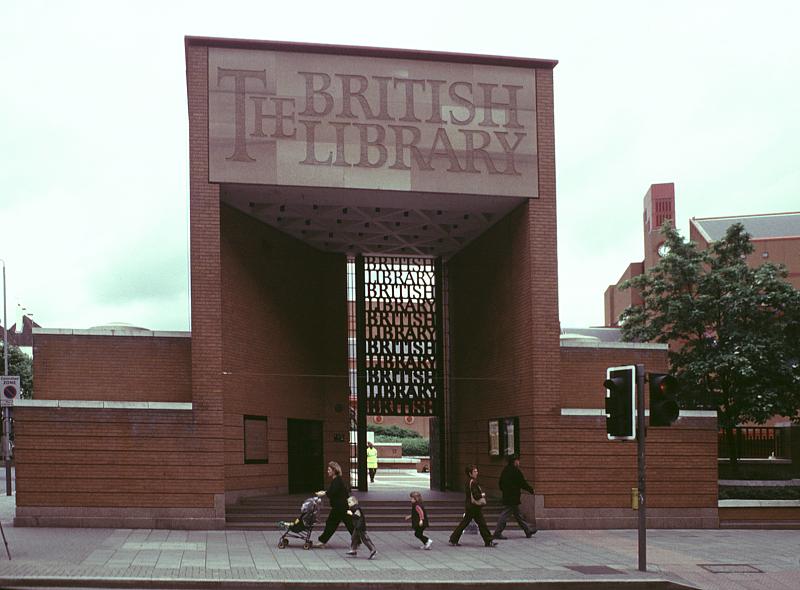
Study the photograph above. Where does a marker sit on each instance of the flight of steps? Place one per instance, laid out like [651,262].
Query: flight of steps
[264,512]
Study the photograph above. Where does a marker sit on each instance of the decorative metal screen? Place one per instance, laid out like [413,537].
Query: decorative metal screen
[399,324]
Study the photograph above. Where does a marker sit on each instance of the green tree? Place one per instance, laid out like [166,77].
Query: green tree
[733,330]
[20,364]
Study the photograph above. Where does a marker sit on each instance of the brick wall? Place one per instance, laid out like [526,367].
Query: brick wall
[123,368]
[204,248]
[591,472]
[284,321]
[785,251]
[583,368]
[491,323]
[95,466]
[503,294]
[114,468]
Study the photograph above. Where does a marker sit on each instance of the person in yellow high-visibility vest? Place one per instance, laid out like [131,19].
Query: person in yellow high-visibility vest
[372,461]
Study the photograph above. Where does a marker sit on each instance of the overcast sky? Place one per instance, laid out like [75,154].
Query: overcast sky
[94,135]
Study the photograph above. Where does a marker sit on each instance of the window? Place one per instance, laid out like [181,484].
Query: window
[256,449]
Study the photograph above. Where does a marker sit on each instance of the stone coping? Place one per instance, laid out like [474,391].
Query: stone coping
[776,483]
[601,412]
[759,503]
[757,461]
[101,404]
[598,344]
[106,332]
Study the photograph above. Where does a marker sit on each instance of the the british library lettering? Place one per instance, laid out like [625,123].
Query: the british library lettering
[381,143]
[377,123]
[400,318]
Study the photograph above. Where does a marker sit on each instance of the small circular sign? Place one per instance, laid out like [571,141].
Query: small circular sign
[10,391]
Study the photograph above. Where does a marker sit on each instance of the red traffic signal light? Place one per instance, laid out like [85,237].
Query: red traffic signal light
[663,405]
[620,387]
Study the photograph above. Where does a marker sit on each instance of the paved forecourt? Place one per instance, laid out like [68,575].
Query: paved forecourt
[711,559]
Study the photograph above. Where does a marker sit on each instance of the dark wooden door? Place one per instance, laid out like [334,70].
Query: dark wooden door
[306,462]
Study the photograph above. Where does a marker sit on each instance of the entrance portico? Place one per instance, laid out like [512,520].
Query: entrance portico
[316,154]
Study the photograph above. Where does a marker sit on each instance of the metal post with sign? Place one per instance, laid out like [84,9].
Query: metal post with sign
[641,455]
[625,421]
[9,391]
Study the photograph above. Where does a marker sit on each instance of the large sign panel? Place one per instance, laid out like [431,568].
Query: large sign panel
[298,119]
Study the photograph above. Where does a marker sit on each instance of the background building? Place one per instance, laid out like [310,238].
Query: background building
[659,206]
[21,336]
[775,238]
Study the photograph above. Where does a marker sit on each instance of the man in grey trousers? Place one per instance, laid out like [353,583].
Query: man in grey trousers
[512,482]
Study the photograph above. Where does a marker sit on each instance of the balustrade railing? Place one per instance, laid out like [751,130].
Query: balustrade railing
[757,442]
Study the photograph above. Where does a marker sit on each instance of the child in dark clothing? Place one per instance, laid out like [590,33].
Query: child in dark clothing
[419,519]
[359,529]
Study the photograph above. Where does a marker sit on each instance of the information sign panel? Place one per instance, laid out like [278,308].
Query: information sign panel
[9,390]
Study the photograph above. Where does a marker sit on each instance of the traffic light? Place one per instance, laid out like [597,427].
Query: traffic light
[620,387]
[663,406]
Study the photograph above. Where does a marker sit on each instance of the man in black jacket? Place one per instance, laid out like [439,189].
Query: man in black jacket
[512,482]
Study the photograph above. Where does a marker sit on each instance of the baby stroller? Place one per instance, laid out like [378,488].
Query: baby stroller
[302,526]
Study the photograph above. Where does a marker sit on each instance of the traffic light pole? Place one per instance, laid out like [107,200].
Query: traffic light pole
[640,437]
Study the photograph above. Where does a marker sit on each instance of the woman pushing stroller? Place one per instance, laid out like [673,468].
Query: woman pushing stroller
[337,496]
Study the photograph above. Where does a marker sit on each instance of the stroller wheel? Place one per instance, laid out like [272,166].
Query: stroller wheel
[308,545]
[283,543]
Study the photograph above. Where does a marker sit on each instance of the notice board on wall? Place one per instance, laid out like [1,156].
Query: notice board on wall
[504,436]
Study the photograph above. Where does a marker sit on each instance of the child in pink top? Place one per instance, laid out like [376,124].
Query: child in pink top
[419,519]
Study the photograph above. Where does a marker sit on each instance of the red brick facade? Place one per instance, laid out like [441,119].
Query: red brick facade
[269,338]
[589,471]
[503,298]
[122,368]
[94,455]
[285,347]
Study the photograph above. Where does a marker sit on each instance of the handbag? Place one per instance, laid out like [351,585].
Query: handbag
[480,501]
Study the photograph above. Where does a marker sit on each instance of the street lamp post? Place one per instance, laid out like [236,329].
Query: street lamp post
[6,411]
[5,323]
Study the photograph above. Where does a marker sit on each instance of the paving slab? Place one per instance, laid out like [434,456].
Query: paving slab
[159,558]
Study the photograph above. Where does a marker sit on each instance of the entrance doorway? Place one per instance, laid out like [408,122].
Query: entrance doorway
[397,369]
[306,462]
